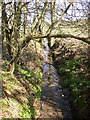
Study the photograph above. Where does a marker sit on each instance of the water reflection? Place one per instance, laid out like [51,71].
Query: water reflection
[50,74]
[46,51]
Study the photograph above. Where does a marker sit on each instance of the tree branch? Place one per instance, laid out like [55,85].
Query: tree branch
[86,40]
[54,23]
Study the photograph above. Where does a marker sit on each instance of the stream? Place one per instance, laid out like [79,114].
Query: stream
[55,101]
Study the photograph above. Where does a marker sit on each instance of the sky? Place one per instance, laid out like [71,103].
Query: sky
[77,12]
[45,0]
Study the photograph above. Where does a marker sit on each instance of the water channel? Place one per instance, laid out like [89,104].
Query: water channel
[54,100]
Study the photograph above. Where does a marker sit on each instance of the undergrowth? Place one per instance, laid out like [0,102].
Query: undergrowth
[74,78]
[20,91]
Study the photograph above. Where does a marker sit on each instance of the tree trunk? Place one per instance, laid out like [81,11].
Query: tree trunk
[7,30]
[14,62]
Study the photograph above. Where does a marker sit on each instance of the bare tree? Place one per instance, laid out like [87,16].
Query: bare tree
[42,21]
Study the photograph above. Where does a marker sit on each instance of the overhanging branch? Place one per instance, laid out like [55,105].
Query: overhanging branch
[86,40]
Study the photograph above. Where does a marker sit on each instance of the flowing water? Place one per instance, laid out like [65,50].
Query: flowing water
[55,102]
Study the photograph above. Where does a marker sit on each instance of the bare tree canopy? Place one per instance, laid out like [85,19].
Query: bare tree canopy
[31,20]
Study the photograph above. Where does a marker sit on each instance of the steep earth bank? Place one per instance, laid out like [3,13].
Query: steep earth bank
[72,60]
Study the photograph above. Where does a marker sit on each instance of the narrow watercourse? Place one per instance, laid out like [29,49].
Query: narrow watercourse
[55,101]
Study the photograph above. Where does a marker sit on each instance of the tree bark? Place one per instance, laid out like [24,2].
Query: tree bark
[14,62]
[7,30]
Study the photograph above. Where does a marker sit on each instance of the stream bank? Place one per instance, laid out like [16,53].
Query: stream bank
[71,60]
